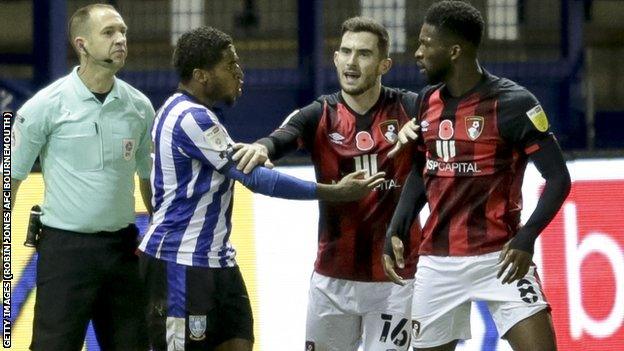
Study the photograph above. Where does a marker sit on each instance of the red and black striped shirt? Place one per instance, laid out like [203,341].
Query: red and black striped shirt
[476,148]
[351,234]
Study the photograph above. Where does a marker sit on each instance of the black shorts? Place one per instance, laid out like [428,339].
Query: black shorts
[197,307]
[82,277]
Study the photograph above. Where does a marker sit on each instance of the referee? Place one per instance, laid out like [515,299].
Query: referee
[91,132]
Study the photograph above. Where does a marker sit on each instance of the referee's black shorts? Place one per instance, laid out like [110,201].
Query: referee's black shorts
[195,307]
[82,277]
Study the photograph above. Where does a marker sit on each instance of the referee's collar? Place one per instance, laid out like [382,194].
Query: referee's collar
[84,93]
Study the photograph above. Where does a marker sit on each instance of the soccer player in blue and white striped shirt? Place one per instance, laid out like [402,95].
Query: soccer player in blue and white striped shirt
[197,298]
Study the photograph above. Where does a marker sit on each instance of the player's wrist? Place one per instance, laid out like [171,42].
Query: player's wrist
[523,241]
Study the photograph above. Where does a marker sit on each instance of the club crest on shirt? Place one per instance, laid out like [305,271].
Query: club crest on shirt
[197,327]
[538,118]
[309,346]
[474,126]
[415,329]
[389,129]
[446,131]
[364,141]
[128,147]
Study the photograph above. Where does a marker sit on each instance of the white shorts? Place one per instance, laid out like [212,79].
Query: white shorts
[344,313]
[445,287]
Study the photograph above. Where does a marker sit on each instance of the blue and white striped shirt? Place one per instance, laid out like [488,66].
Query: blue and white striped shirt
[192,186]
[192,200]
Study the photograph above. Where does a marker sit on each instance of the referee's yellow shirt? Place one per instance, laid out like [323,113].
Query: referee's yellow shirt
[89,152]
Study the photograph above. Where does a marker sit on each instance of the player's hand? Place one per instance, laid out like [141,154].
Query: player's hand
[351,187]
[408,133]
[394,245]
[517,261]
[250,155]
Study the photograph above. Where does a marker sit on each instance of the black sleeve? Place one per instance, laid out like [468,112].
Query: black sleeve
[299,126]
[410,102]
[412,200]
[550,163]
[521,120]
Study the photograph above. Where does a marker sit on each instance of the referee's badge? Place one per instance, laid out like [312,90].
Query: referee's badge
[128,147]
[197,327]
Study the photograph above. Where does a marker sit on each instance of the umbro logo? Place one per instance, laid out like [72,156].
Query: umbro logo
[336,137]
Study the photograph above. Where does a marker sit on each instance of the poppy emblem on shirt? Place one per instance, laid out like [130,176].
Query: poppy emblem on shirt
[446,131]
[474,126]
[364,141]
[389,129]
[197,327]
[128,146]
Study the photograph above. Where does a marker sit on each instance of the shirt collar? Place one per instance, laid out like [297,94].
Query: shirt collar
[84,93]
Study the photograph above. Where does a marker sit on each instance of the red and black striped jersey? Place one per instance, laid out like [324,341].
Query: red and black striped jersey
[351,234]
[476,148]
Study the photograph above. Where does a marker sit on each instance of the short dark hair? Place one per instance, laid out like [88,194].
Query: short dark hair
[458,18]
[199,48]
[77,24]
[365,24]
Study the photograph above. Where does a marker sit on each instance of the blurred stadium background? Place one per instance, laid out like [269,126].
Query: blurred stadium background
[569,53]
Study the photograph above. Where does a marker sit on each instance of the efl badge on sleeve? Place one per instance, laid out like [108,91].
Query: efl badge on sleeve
[364,141]
[216,138]
[446,130]
[128,145]
[538,118]
[390,129]
[474,126]
[197,327]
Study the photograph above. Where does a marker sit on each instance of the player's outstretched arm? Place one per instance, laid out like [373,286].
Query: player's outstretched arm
[351,187]
[407,134]
[517,254]
[272,183]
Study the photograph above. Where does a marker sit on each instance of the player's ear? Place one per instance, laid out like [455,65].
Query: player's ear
[385,65]
[336,59]
[455,51]
[200,75]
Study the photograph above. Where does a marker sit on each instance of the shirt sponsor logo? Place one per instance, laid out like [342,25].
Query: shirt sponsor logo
[538,118]
[389,130]
[197,327]
[461,167]
[364,141]
[128,147]
[474,126]
[446,130]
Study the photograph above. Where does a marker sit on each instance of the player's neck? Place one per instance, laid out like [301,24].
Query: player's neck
[95,78]
[464,77]
[196,90]
[363,102]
